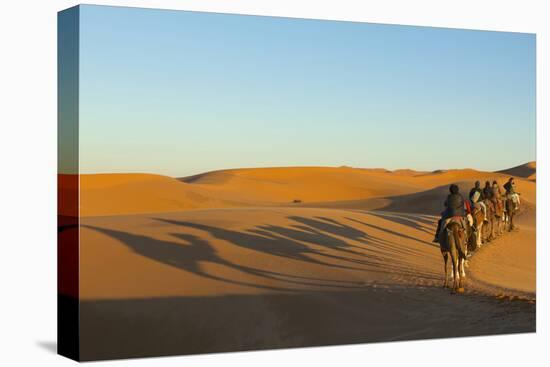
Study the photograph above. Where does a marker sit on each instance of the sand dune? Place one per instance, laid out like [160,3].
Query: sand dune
[225,261]
[215,280]
[308,184]
[527,170]
[116,194]
[322,236]
[431,201]
[507,267]
[251,250]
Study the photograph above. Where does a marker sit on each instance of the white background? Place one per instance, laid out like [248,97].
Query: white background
[28,183]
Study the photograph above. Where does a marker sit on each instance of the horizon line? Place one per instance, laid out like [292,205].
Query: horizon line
[312,166]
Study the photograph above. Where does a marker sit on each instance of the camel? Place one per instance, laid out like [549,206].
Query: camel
[499,216]
[453,244]
[510,207]
[489,227]
[478,222]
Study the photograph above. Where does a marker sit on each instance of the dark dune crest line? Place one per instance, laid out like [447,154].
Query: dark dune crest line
[525,170]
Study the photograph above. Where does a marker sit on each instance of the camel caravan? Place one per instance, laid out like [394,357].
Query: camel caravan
[466,225]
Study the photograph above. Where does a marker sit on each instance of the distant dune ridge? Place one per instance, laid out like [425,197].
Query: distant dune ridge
[527,170]
[407,190]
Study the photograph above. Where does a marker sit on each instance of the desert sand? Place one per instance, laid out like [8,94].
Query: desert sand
[527,171]
[287,257]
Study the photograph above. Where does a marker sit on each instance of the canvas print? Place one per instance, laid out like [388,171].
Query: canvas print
[234,182]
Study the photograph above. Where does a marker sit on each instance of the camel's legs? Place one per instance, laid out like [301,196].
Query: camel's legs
[478,236]
[445,257]
[456,272]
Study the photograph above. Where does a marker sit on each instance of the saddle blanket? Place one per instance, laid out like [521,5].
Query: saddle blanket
[514,197]
[459,220]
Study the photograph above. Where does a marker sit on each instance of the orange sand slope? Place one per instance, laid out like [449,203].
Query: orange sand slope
[172,250]
[508,266]
[213,280]
[527,171]
[225,261]
[116,194]
[256,250]
[253,250]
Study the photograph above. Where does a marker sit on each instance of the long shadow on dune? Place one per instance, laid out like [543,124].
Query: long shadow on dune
[259,239]
[319,225]
[185,256]
[188,254]
[416,221]
[320,232]
[377,254]
[341,249]
[318,240]
[428,202]
[331,226]
[392,232]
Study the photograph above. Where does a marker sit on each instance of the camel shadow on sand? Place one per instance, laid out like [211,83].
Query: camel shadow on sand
[337,312]
[420,222]
[320,241]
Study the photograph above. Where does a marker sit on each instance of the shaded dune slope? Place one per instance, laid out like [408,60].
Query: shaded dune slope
[431,201]
[527,170]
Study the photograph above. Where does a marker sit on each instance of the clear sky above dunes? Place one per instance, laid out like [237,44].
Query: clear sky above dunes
[180,93]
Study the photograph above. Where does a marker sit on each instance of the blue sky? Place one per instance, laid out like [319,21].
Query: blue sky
[180,93]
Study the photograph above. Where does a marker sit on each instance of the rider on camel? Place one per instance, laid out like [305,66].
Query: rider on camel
[488,191]
[477,197]
[454,207]
[497,192]
[510,187]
